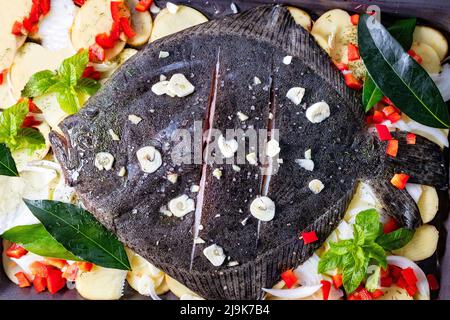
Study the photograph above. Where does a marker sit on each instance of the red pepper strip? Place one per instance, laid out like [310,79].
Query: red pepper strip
[114,34]
[289,278]
[389,110]
[17,28]
[341,66]
[23,280]
[30,122]
[143,5]
[104,41]
[393,118]
[71,272]
[127,28]
[376,294]
[415,56]
[55,281]
[337,281]
[409,276]
[410,138]
[84,266]
[58,263]
[352,52]
[396,272]
[79,2]
[386,282]
[390,225]
[364,294]
[44,6]
[30,22]
[326,286]
[39,283]
[1,78]
[352,82]
[309,237]
[16,251]
[37,268]
[119,10]
[96,53]
[412,290]
[392,148]
[399,180]
[383,132]
[32,107]
[432,282]
[354,19]
[378,116]
[90,72]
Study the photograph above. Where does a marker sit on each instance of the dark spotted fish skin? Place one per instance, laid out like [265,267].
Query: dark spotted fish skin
[221,58]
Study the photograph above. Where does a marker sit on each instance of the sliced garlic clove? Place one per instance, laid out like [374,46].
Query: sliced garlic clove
[252,159]
[273,148]
[160,88]
[180,86]
[215,255]
[149,159]
[306,164]
[263,208]
[318,112]
[134,119]
[227,147]
[104,161]
[295,94]
[316,186]
[181,206]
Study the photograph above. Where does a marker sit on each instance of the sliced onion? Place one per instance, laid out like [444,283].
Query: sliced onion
[307,272]
[414,190]
[422,282]
[442,81]
[152,292]
[297,293]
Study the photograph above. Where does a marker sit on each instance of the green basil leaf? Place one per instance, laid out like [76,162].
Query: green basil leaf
[355,268]
[402,31]
[39,83]
[80,233]
[88,86]
[73,67]
[68,101]
[36,239]
[358,235]
[329,261]
[375,251]
[11,119]
[341,247]
[371,93]
[399,77]
[369,221]
[29,138]
[7,164]
[395,239]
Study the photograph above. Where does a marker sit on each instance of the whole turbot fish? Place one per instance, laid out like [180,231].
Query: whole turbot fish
[213,201]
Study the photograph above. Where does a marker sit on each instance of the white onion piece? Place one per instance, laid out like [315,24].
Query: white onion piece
[307,274]
[414,190]
[422,282]
[442,81]
[152,292]
[297,293]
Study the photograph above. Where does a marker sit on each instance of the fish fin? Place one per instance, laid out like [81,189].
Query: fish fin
[397,203]
[423,161]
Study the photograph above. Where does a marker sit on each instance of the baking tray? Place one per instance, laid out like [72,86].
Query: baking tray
[434,12]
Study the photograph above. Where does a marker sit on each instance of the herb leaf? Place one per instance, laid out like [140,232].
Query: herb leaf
[36,239]
[7,164]
[355,267]
[329,261]
[30,138]
[375,251]
[80,233]
[369,220]
[88,86]
[72,68]
[399,77]
[39,83]
[395,239]
[68,100]
[371,93]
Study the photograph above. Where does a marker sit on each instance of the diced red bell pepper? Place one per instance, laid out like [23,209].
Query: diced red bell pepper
[410,138]
[376,294]
[352,82]
[143,5]
[390,225]
[84,266]
[337,281]
[116,29]
[392,148]
[360,294]
[384,273]
[289,278]
[58,263]
[55,281]
[127,28]
[16,251]
[354,19]
[119,10]
[71,272]
[378,116]
[104,41]
[412,290]
[32,107]
[386,100]
[386,282]
[399,180]
[17,28]
[409,276]
[1,78]
[432,282]
[38,268]
[394,117]
[96,53]
[309,237]
[383,132]
[30,122]
[23,280]
[90,72]
[44,6]
[388,110]
[341,66]
[39,283]
[396,272]
[79,2]
[415,56]
[352,52]
[326,286]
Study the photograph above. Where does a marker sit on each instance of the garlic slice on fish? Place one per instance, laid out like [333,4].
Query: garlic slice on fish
[217,173]
[180,86]
[242,116]
[160,88]
[113,135]
[214,254]
[251,158]
[287,60]
[163,54]
[316,186]
[272,148]
[134,119]
[149,159]
[295,94]
[263,208]
[104,161]
[306,164]
[181,206]
[308,155]
[318,112]
[227,147]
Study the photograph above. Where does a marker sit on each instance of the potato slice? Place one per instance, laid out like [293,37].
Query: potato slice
[422,245]
[301,17]
[177,288]
[433,38]
[167,23]
[331,24]
[430,59]
[31,58]
[395,293]
[101,283]
[93,18]
[428,203]
[142,24]
[6,97]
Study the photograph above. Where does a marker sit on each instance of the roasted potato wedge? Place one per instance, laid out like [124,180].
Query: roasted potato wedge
[433,38]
